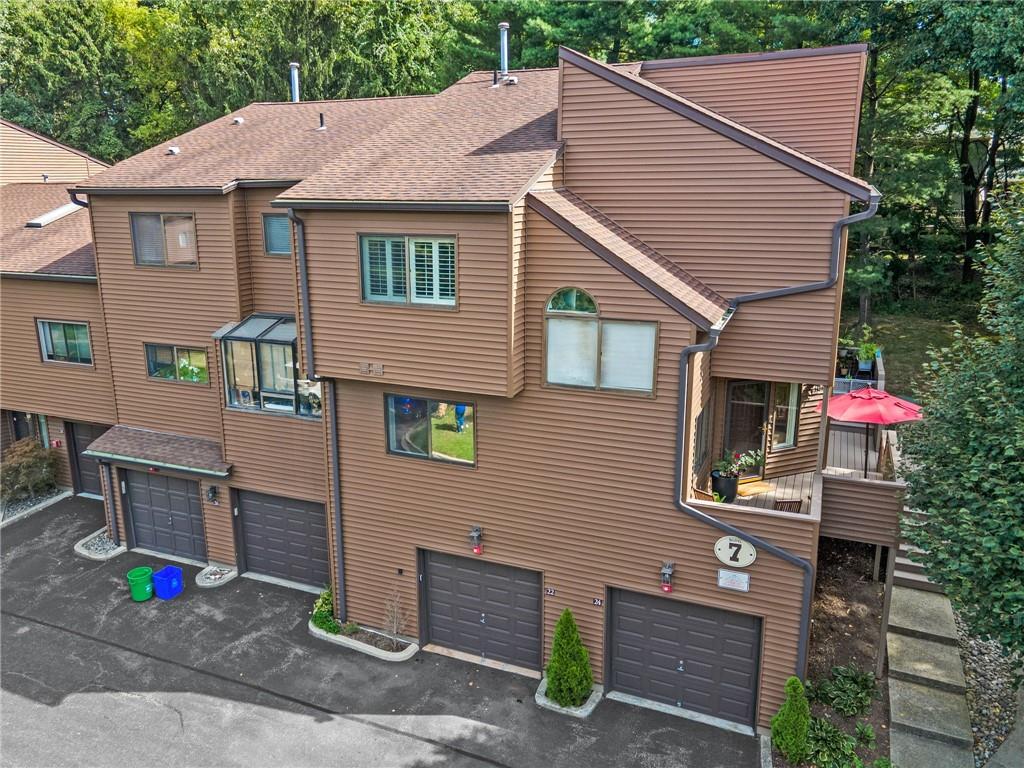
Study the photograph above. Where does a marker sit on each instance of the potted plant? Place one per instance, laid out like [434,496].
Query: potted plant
[725,477]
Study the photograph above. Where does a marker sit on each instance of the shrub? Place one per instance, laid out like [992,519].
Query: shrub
[791,722]
[28,469]
[323,613]
[569,677]
[849,692]
[349,628]
[828,747]
[865,734]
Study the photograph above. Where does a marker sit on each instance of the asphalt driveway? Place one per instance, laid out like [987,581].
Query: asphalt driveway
[230,676]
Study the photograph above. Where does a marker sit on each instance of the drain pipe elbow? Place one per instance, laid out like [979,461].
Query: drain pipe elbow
[307,319]
[73,194]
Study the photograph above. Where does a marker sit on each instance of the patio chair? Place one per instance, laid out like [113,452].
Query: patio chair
[700,495]
[787,505]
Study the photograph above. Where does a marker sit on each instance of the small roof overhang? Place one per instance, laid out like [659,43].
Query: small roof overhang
[278,329]
[160,450]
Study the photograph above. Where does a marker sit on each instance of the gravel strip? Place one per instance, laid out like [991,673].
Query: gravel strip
[991,698]
[100,545]
[14,508]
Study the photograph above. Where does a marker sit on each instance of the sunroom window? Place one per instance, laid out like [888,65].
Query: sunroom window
[408,270]
[260,372]
[589,351]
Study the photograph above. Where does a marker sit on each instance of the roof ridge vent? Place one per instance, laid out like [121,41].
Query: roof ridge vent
[174,150]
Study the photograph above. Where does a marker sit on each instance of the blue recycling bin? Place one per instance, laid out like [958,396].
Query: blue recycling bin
[168,582]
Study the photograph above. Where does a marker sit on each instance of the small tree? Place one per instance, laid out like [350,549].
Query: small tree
[28,469]
[569,677]
[395,618]
[790,725]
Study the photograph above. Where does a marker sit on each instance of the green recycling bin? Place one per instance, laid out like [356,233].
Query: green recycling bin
[140,583]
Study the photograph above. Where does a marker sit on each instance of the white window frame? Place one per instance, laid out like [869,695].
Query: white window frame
[791,415]
[46,349]
[410,295]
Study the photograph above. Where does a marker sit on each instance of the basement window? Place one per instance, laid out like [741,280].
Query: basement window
[408,270]
[260,369]
[63,342]
[164,239]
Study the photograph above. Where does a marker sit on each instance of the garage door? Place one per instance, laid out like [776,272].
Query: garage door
[690,656]
[87,469]
[166,514]
[489,610]
[285,538]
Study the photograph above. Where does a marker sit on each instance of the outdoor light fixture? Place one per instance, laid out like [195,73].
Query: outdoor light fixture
[667,569]
[476,538]
[211,493]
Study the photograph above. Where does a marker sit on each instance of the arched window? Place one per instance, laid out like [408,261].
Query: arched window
[586,350]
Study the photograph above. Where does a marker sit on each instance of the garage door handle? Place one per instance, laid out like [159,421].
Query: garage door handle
[483,618]
[170,521]
[681,667]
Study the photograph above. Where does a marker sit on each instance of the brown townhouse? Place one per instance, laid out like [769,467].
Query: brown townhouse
[479,349]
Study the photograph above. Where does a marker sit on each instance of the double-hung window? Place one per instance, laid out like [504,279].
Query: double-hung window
[277,234]
[431,429]
[408,270]
[787,408]
[164,239]
[64,342]
[166,361]
[589,351]
[260,372]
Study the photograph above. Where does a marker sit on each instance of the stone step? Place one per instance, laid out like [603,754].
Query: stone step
[908,750]
[929,712]
[922,614]
[905,565]
[916,581]
[925,662]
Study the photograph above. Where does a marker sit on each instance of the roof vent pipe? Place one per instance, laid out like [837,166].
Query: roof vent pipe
[503,48]
[323,126]
[295,80]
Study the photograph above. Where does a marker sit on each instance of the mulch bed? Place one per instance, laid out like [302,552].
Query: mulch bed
[377,641]
[845,620]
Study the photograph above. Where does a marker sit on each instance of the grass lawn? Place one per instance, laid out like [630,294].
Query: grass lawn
[447,442]
[905,340]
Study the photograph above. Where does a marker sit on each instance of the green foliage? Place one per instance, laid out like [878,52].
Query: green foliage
[791,723]
[829,747]
[965,461]
[865,735]
[28,470]
[849,691]
[568,672]
[349,628]
[882,762]
[323,613]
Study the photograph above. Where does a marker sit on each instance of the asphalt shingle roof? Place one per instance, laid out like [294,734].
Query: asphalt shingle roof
[146,446]
[63,247]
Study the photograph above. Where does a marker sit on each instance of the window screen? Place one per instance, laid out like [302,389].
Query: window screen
[277,234]
[627,355]
[164,239]
[572,351]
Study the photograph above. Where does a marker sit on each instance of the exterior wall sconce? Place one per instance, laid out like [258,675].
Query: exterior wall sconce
[476,538]
[211,494]
[667,569]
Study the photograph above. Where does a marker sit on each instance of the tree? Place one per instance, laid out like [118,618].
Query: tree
[568,672]
[966,459]
[791,723]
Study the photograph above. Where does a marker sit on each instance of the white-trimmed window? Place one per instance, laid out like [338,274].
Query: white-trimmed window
[62,342]
[164,239]
[787,408]
[589,351]
[408,270]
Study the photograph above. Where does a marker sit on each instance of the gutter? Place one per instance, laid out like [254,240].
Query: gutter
[49,277]
[339,532]
[136,461]
[307,320]
[109,499]
[684,360]
[73,194]
[456,206]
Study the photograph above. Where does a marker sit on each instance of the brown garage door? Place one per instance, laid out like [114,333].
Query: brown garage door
[87,469]
[690,656]
[166,514]
[284,538]
[489,610]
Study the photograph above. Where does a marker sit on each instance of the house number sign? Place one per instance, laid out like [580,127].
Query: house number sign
[735,552]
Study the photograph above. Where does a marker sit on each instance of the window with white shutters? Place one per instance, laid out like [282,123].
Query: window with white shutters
[408,270]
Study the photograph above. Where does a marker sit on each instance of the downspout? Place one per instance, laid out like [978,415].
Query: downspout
[74,199]
[307,320]
[339,532]
[109,494]
[706,346]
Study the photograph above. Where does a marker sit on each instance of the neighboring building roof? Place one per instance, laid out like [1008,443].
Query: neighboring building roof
[795,159]
[472,142]
[62,247]
[588,226]
[193,455]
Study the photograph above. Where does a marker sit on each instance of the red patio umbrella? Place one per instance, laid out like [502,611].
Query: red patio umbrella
[869,406]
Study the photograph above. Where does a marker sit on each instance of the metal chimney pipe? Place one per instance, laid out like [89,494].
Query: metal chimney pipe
[295,80]
[503,47]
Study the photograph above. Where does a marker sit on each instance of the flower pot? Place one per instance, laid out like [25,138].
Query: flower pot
[725,487]
[864,365]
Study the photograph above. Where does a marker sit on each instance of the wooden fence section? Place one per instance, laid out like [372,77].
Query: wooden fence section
[859,509]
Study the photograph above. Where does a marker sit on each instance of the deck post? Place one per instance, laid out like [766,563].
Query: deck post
[823,433]
[878,562]
[890,567]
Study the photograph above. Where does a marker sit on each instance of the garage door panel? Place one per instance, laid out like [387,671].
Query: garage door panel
[284,538]
[485,609]
[699,658]
[166,514]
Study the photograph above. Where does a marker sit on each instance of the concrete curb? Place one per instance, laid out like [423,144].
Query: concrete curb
[378,653]
[581,711]
[81,551]
[203,580]
[32,510]
[766,750]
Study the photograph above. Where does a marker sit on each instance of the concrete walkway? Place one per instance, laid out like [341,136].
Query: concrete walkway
[231,676]
[1011,752]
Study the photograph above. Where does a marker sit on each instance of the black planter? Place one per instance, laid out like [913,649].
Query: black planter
[725,487]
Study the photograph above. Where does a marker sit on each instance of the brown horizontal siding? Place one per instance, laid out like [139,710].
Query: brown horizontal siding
[276,454]
[466,348]
[811,104]
[732,217]
[802,457]
[6,432]
[165,305]
[77,392]
[240,226]
[272,277]
[858,509]
[517,299]
[575,484]
[218,524]
[57,431]
[25,158]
